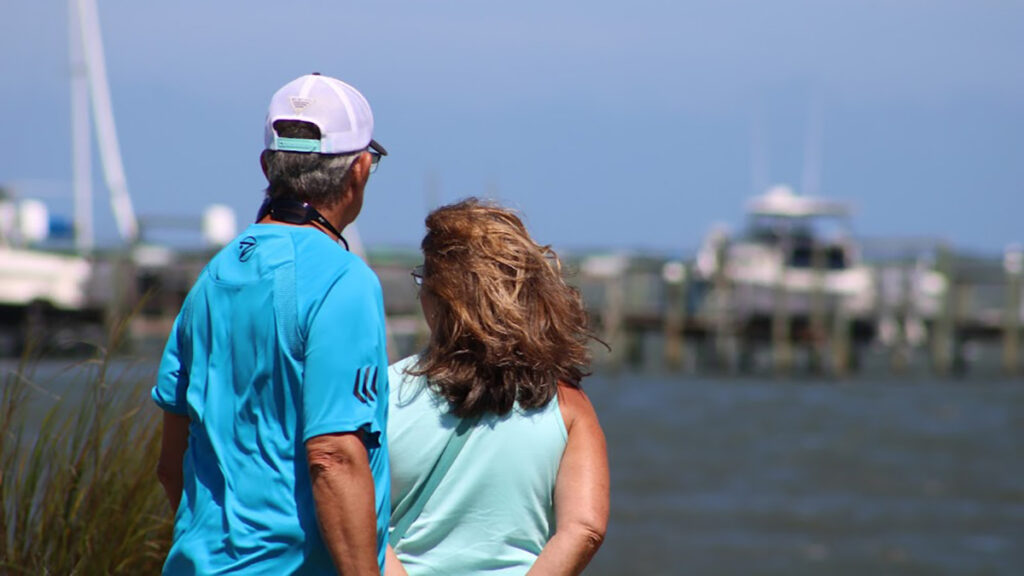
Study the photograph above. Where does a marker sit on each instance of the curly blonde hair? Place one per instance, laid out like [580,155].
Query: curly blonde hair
[507,327]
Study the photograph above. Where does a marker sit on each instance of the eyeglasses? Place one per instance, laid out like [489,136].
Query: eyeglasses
[376,151]
[417,275]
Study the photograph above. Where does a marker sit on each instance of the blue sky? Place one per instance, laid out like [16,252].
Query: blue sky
[608,124]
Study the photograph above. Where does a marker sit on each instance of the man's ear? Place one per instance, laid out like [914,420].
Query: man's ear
[360,170]
[353,187]
[263,161]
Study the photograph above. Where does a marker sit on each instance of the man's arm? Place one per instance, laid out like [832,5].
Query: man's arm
[173,444]
[343,492]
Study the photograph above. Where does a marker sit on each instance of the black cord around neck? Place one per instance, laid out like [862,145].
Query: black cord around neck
[296,212]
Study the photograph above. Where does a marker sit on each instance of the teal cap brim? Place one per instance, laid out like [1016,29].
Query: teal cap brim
[297,144]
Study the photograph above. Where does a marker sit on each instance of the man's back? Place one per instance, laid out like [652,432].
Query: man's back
[272,347]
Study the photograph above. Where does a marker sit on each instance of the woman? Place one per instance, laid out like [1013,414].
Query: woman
[528,489]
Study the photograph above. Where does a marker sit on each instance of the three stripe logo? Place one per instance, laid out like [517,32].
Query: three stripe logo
[365,386]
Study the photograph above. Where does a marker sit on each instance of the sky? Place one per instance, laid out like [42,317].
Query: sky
[609,125]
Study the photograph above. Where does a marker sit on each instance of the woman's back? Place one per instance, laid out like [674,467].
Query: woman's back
[493,511]
[508,346]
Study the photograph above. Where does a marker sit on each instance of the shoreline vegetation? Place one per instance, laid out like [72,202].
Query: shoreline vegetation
[77,472]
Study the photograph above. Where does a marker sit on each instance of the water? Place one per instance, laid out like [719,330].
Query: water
[757,477]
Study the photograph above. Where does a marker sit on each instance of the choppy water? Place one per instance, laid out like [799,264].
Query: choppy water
[765,477]
[759,477]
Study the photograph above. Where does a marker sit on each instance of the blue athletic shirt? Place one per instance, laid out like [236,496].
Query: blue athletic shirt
[281,339]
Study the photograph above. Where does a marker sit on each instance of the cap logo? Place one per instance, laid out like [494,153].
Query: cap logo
[299,103]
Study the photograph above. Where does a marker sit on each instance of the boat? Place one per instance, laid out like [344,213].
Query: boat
[40,287]
[45,288]
[797,255]
[63,289]
[797,258]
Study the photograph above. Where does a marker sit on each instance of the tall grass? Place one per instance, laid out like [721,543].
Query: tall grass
[79,492]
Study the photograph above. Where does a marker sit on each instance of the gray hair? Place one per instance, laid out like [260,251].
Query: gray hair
[307,177]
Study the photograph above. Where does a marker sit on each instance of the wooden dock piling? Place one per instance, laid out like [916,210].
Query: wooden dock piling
[1013,264]
[840,342]
[724,343]
[899,352]
[818,321]
[675,276]
[782,352]
[942,337]
[612,317]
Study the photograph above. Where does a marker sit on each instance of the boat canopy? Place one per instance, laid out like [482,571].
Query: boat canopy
[783,202]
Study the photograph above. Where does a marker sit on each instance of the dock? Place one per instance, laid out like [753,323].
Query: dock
[713,325]
[654,310]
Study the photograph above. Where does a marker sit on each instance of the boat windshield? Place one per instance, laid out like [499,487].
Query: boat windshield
[802,235]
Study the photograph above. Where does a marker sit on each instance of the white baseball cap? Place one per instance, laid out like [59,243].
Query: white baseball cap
[340,112]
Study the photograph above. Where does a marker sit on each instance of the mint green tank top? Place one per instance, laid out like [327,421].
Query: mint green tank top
[494,510]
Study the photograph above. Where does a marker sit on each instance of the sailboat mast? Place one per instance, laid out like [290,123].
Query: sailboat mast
[81,152]
[110,151]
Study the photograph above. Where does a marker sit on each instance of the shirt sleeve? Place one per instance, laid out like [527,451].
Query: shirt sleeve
[171,387]
[343,372]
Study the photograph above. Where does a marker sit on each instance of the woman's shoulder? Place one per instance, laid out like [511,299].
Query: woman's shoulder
[575,406]
[408,389]
[399,370]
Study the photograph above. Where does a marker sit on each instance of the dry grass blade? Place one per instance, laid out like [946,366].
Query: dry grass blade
[79,491]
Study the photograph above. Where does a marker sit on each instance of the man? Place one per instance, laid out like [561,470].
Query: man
[274,378]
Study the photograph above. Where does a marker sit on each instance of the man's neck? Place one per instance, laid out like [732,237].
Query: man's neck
[288,212]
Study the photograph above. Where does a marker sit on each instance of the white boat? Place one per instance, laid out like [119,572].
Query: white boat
[31,277]
[43,288]
[798,253]
[38,287]
[798,246]
[788,242]
[54,289]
